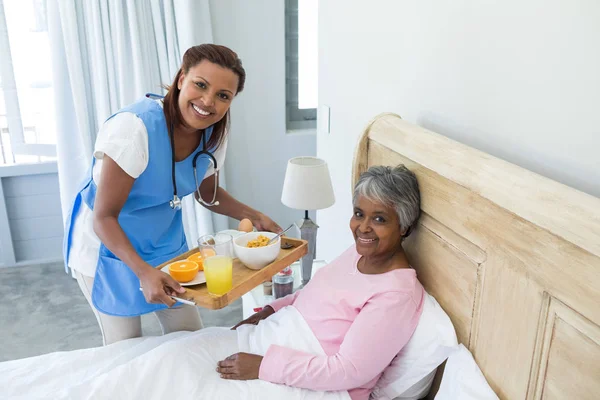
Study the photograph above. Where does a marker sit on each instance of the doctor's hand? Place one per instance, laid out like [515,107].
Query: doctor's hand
[158,286]
[263,223]
[254,319]
[240,366]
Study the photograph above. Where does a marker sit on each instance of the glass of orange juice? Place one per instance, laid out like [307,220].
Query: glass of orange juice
[217,251]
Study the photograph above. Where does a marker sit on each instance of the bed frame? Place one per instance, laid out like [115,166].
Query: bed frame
[511,256]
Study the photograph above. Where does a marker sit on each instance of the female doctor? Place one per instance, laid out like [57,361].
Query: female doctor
[126,218]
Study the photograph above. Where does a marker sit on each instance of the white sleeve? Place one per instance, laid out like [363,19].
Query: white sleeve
[124,138]
[219,156]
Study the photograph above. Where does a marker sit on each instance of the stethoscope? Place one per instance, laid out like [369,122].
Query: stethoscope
[176,202]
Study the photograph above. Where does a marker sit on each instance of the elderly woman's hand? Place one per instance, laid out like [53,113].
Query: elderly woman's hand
[255,318]
[240,366]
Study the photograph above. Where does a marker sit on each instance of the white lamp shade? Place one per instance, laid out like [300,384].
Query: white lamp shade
[307,184]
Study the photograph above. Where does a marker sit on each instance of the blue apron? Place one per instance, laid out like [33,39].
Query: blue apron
[154,229]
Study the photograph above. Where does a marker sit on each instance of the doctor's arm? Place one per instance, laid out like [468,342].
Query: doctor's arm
[233,208]
[113,190]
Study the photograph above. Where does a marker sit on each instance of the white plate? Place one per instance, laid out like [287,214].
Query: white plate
[196,281]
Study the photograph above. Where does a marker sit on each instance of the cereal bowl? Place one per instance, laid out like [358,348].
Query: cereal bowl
[256,257]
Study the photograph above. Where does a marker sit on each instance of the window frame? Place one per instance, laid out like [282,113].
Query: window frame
[11,99]
[296,119]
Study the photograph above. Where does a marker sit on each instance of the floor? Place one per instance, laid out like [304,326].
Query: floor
[42,310]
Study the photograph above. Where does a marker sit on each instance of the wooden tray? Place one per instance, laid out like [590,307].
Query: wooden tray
[244,279]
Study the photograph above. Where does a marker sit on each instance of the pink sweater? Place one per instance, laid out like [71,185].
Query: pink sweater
[361,321]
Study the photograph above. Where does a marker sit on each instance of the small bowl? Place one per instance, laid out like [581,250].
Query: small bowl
[183,271]
[256,257]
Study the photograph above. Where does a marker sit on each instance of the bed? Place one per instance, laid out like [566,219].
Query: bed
[511,256]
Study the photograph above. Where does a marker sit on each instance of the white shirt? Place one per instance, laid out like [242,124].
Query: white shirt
[123,138]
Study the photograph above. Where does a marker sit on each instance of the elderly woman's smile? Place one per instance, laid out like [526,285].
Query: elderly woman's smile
[364,240]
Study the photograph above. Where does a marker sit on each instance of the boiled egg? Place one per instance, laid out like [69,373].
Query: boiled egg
[245,225]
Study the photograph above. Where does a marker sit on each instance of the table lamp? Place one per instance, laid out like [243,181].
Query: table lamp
[307,186]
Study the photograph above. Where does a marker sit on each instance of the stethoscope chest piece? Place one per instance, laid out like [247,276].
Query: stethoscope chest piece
[175,203]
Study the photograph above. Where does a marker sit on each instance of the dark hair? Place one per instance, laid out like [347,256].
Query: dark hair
[216,54]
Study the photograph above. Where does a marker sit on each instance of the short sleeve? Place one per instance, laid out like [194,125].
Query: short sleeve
[124,139]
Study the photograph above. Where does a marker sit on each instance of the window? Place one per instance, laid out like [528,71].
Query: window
[301,51]
[27,117]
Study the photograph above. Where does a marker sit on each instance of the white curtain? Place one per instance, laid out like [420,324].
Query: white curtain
[107,54]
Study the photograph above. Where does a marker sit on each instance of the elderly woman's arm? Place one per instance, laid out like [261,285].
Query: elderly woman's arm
[378,333]
[269,310]
[284,301]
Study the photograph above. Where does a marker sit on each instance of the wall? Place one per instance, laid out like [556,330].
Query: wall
[31,228]
[259,147]
[516,79]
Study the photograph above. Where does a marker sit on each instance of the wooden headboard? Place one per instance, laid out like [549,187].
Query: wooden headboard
[513,258]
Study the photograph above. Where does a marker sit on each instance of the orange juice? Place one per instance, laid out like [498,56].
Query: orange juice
[218,271]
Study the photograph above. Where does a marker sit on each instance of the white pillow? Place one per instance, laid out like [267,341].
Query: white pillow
[411,372]
[463,379]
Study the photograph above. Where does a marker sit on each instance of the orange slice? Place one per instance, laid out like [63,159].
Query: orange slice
[198,259]
[184,270]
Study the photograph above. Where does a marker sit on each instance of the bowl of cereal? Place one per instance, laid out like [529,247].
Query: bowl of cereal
[252,250]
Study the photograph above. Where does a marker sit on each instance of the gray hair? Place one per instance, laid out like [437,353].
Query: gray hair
[396,187]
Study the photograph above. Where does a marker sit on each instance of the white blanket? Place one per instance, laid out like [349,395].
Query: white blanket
[178,365]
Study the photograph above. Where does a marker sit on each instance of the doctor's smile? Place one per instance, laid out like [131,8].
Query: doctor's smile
[203,113]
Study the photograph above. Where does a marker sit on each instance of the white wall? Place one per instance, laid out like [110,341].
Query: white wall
[259,147]
[518,79]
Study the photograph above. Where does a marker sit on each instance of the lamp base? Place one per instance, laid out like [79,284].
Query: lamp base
[308,232]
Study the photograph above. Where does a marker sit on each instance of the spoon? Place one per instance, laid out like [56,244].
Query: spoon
[279,234]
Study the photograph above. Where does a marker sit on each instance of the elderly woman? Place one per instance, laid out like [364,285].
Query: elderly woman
[362,308]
